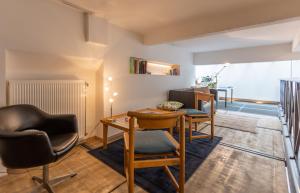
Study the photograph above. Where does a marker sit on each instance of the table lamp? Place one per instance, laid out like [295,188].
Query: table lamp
[218,73]
[111,100]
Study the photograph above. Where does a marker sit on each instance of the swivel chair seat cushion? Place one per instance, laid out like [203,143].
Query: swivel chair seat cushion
[62,143]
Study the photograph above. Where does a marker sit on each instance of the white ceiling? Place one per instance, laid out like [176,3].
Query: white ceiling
[141,16]
[150,17]
[258,36]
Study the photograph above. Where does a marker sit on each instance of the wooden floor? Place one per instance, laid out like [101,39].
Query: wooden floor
[226,170]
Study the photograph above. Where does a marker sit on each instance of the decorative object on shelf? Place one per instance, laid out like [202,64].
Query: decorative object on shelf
[112,94]
[142,66]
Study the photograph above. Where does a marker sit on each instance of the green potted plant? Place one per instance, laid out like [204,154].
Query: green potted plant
[208,81]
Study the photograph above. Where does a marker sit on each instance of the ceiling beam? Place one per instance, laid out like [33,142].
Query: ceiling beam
[75,6]
[279,52]
[296,44]
[224,22]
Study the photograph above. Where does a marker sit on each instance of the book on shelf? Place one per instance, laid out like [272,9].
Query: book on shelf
[131,62]
[174,72]
[138,66]
[141,66]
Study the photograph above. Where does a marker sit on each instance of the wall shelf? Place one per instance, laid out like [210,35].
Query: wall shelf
[148,67]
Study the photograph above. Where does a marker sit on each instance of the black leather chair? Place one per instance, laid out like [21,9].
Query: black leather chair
[30,137]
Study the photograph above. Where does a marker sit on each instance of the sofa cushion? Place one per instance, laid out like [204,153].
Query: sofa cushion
[62,143]
[170,105]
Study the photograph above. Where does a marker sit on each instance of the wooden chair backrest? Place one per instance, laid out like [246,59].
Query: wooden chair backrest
[203,90]
[199,96]
[156,120]
[204,96]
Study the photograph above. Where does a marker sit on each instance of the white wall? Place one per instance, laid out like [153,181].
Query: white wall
[295,69]
[251,72]
[258,81]
[140,91]
[27,65]
[44,38]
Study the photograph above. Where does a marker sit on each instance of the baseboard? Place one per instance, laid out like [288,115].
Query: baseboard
[251,101]
[81,141]
[114,137]
[110,139]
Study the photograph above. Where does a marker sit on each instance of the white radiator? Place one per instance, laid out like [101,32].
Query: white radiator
[52,96]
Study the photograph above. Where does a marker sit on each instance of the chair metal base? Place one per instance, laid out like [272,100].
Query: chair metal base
[47,184]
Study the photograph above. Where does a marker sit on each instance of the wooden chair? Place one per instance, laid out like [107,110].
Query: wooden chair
[195,116]
[146,146]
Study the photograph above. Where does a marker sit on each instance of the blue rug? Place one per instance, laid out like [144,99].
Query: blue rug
[246,107]
[155,180]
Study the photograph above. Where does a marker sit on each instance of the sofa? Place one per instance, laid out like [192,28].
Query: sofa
[187,97]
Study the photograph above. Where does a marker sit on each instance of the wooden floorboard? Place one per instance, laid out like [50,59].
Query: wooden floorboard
[225,170]
[268,141]
[230,170]
[265,141]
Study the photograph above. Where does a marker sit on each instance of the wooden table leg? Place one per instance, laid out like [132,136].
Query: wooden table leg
[225,99]
[104,137]
[190,129]
[231,93]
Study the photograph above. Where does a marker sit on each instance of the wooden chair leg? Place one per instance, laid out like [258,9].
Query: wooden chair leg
[181,178]
[196,126]
[130,177]
[125,164]
[171,131]
[130,160]
[190,129]
[212,130]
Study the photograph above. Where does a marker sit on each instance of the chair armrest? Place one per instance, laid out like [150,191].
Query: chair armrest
[25,149]
[59,124]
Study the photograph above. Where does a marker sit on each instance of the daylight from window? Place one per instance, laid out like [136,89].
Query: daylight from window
[258,81]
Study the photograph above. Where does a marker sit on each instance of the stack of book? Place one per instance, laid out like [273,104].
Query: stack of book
[174,72]
[138,66]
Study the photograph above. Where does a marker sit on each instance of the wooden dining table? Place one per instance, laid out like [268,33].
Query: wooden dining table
[121,122]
